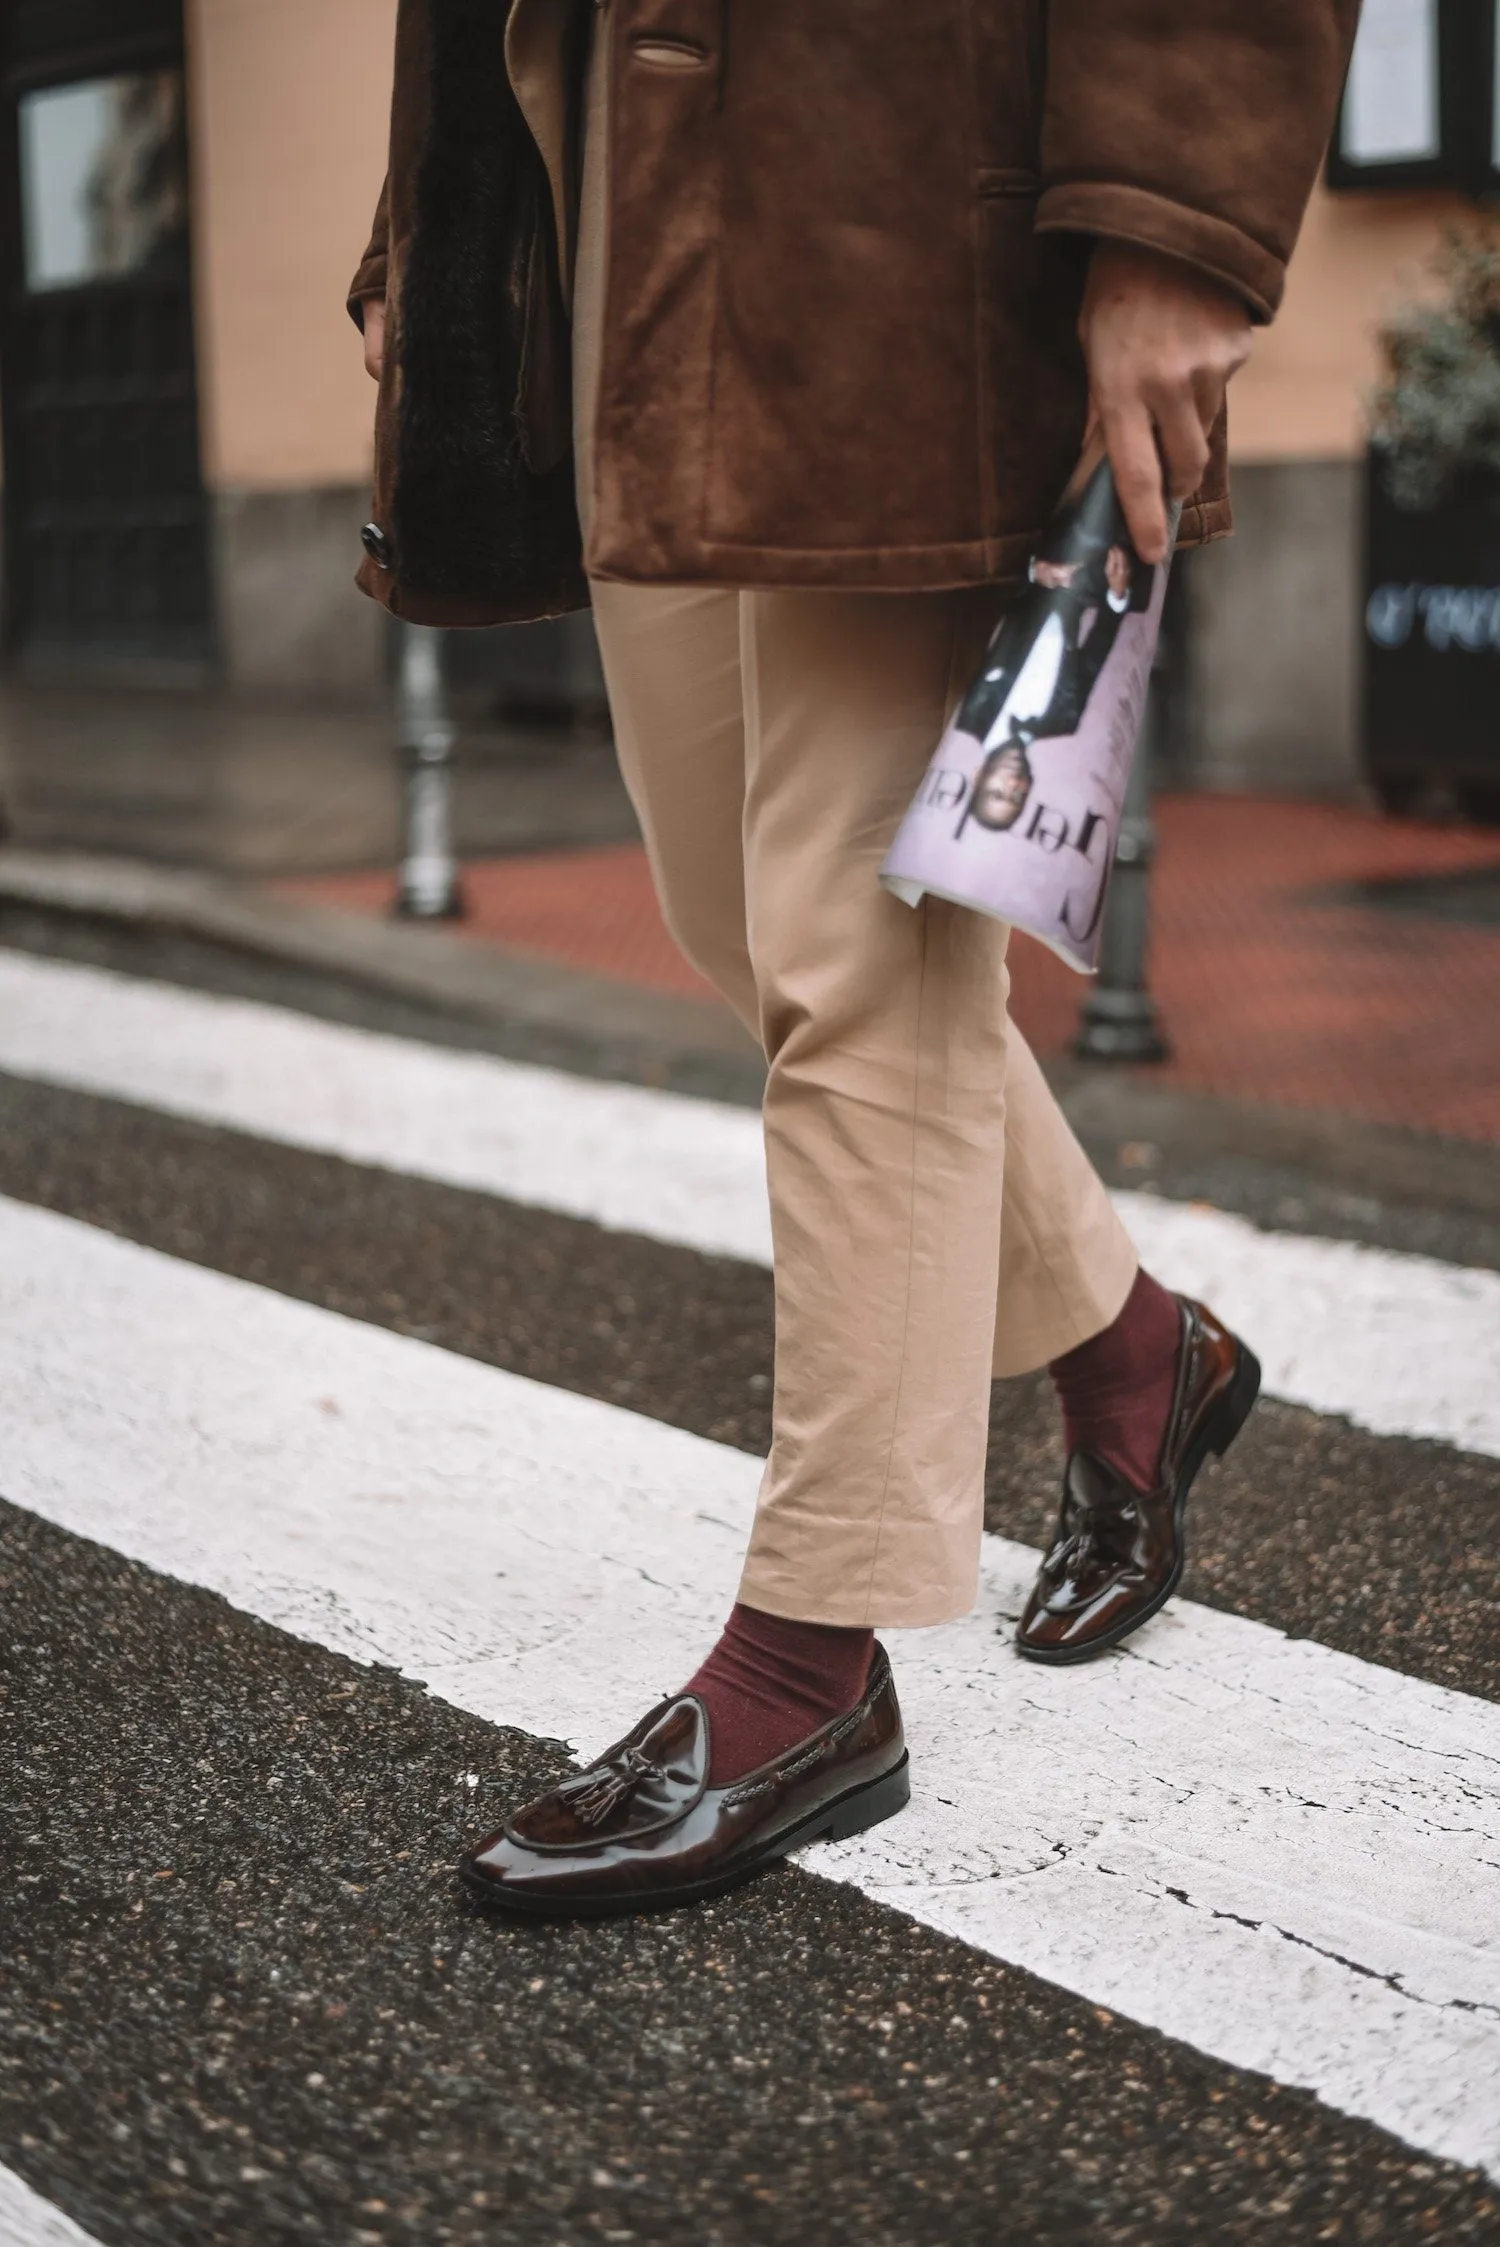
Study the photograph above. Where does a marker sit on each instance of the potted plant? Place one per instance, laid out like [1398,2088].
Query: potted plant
[1432,584]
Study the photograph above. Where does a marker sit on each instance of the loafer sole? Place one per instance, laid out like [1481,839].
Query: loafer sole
[1219,1429]
[848,1814]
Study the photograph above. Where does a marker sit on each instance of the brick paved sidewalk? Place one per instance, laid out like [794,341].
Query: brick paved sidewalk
[1280,976]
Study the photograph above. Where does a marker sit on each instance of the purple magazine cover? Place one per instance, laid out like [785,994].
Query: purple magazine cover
[1020,807]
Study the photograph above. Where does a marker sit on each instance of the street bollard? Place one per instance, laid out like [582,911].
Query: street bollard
[428,887]
[1119,1021]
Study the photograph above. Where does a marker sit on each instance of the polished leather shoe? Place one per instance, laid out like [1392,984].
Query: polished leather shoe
[643,1829]
[1118,1554]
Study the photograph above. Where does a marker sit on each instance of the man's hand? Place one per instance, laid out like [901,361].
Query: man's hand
[374,336]
[1161,343]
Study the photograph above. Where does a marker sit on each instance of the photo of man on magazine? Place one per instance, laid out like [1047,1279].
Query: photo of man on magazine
[1036,683]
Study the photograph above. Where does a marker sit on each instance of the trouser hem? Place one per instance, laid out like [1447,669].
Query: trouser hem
[1042,1337]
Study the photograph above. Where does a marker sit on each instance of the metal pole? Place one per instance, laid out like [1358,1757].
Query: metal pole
[428,887]
[1120,1021]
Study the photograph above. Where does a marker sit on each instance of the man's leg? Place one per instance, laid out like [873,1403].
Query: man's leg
[1067,1264]
[1150,1385]
[671,659]
[771,744]
[885,1034]
[672,663]
[1072,1294]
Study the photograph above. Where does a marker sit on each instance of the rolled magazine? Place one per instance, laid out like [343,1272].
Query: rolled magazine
[1020,808]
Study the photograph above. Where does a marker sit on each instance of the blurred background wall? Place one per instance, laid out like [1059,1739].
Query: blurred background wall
[1272,635]
[288,104]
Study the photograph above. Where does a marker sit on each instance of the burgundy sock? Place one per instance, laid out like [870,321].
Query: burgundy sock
[1116,1391]
[769,1683]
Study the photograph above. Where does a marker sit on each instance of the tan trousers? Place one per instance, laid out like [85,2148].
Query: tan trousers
[933,1217]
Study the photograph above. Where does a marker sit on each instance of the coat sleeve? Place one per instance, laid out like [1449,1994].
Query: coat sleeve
[371,276]
[1195,127]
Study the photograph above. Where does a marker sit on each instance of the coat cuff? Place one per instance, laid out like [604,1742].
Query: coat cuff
[369,281]
[1155,222]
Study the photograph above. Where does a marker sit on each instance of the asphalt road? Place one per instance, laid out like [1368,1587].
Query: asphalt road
[245,2001]
[1304,1174]
[242,1998]
[1382,1547]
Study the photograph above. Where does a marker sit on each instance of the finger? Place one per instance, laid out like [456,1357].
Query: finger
[1093,448]
[1208,395]
[1183,441]
[1138,480]
[374,329]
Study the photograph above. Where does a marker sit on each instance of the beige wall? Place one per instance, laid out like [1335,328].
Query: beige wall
[1301,396]
[290,104]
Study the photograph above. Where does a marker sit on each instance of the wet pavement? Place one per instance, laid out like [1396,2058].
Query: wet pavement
[1320,957]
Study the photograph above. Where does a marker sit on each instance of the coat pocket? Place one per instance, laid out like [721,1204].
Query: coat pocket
[1000,180]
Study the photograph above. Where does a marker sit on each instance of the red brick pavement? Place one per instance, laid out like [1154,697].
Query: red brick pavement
[1271,989]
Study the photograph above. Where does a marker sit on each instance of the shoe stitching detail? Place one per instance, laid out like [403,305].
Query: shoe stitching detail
[808,1758]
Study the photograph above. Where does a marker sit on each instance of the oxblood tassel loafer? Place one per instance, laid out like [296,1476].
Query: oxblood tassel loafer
[643,1829]
[1118,1553]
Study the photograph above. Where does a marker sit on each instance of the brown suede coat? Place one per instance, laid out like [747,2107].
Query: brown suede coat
[847,244]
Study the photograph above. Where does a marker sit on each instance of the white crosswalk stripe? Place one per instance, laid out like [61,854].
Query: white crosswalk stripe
[1284,1856]
[1400,1344]
[26,2220]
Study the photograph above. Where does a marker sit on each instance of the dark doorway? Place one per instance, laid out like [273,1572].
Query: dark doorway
[107,545]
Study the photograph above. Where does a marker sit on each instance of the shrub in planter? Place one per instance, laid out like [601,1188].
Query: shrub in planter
[1432,612]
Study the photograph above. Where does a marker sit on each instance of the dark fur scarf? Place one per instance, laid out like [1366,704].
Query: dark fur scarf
[484,508]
